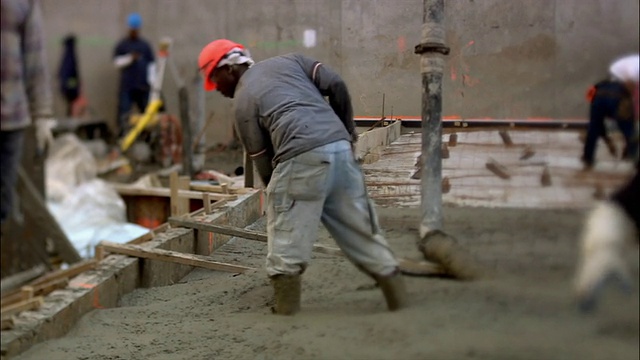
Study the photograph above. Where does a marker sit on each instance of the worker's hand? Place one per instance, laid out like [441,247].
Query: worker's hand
[135,55]
[44,133]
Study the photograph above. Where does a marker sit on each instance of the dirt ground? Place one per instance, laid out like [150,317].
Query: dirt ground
[524,311]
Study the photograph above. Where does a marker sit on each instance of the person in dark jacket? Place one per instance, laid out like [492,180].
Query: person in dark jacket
[69,75]
[135,59]
[614,98]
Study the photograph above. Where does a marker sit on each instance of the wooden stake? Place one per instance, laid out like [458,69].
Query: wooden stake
[527,153]
[445,151]
[173,257]
[446,185]
[497,169]
[206,200]
[506,138]
[453,139]
[545,178]
[173,186]
[99,253]
[183,203]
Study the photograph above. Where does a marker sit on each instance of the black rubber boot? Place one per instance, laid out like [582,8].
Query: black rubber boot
[394,290]
[287,294]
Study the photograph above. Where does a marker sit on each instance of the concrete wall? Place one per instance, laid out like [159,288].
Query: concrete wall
[509,59]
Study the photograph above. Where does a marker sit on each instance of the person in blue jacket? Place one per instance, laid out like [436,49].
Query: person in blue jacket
[135,59]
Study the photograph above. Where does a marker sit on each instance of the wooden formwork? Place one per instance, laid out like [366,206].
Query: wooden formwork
[107,280]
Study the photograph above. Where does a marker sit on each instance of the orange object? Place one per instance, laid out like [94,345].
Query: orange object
[211,55]
[591,93]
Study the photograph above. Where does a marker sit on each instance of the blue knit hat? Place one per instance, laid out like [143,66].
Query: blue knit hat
[134,21]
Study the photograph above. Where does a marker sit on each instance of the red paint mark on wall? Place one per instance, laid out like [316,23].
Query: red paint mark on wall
[459,65]
[469,81]
[402,44]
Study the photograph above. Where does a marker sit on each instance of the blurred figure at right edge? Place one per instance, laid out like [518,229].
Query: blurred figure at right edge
[615,98]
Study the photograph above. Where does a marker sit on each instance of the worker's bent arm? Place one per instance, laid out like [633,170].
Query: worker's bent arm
[331,85]
[255,139]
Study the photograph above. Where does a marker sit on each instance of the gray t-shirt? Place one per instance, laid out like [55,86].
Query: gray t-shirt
[280,107]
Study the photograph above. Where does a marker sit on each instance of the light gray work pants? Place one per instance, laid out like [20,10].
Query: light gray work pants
[326,184]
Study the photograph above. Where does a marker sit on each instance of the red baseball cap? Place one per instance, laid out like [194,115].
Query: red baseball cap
[211,55]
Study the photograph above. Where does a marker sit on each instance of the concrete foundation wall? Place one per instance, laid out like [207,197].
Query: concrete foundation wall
[509,59]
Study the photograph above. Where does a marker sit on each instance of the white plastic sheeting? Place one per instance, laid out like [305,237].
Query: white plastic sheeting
[86,207]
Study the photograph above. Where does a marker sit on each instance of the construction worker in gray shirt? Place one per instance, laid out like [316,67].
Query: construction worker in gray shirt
[302,147]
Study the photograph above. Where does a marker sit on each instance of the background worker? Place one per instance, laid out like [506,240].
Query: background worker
[615,98]
[301,146]
[68,73]
[135,59]
[26,91]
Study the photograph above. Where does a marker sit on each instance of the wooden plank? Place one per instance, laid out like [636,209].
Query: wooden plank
[13,298]
[48,287]
[149,236]
[172,256]
[15,281]
[220,229]
[140,239]
[242,233]
[34,204]
[31,304]
[220,189]
[125,189]
[69,273]
[27,292]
